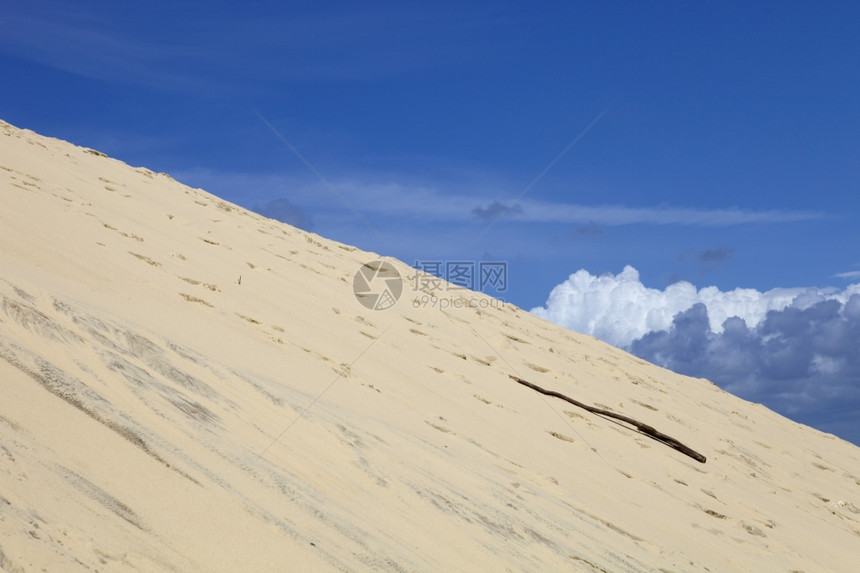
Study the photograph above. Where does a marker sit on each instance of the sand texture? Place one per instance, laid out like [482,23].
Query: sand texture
[188,386]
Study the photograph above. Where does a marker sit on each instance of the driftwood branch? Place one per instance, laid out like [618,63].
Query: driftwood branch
[644,428]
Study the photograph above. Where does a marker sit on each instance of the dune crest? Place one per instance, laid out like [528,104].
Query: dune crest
[188,386]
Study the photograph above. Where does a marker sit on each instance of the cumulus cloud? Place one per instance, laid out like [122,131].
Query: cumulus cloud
[795,350]
[619,308]
[286,212]
[801,362]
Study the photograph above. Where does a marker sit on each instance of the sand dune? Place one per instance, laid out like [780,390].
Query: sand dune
[188,386]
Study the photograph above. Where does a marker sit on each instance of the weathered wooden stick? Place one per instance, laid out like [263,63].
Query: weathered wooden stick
[644,428]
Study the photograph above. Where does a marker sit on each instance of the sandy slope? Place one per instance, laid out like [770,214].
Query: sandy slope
[150,411]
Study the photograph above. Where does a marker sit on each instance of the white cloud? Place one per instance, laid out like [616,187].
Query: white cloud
[623,215]
[619,308]
[795,350]
[404,197]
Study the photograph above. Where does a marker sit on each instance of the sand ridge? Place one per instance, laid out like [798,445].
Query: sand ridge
[190,386]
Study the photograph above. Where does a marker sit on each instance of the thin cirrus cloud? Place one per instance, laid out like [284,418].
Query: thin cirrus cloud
[797,350]
[400,196]
[425,201]
[193,47]
[624,215]
[93,45]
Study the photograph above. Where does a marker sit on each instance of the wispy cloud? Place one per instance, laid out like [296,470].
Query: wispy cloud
[848,275]
[624,215]
[429,203]
[400,197]
[97,45]
[191,47]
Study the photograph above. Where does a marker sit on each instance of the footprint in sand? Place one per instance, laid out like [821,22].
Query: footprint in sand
[537,368]
[145,259]
[561,437]
[191,298]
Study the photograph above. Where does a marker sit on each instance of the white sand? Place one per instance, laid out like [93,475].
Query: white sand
[149,404]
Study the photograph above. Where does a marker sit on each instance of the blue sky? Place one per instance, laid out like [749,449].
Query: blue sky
[715,142]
